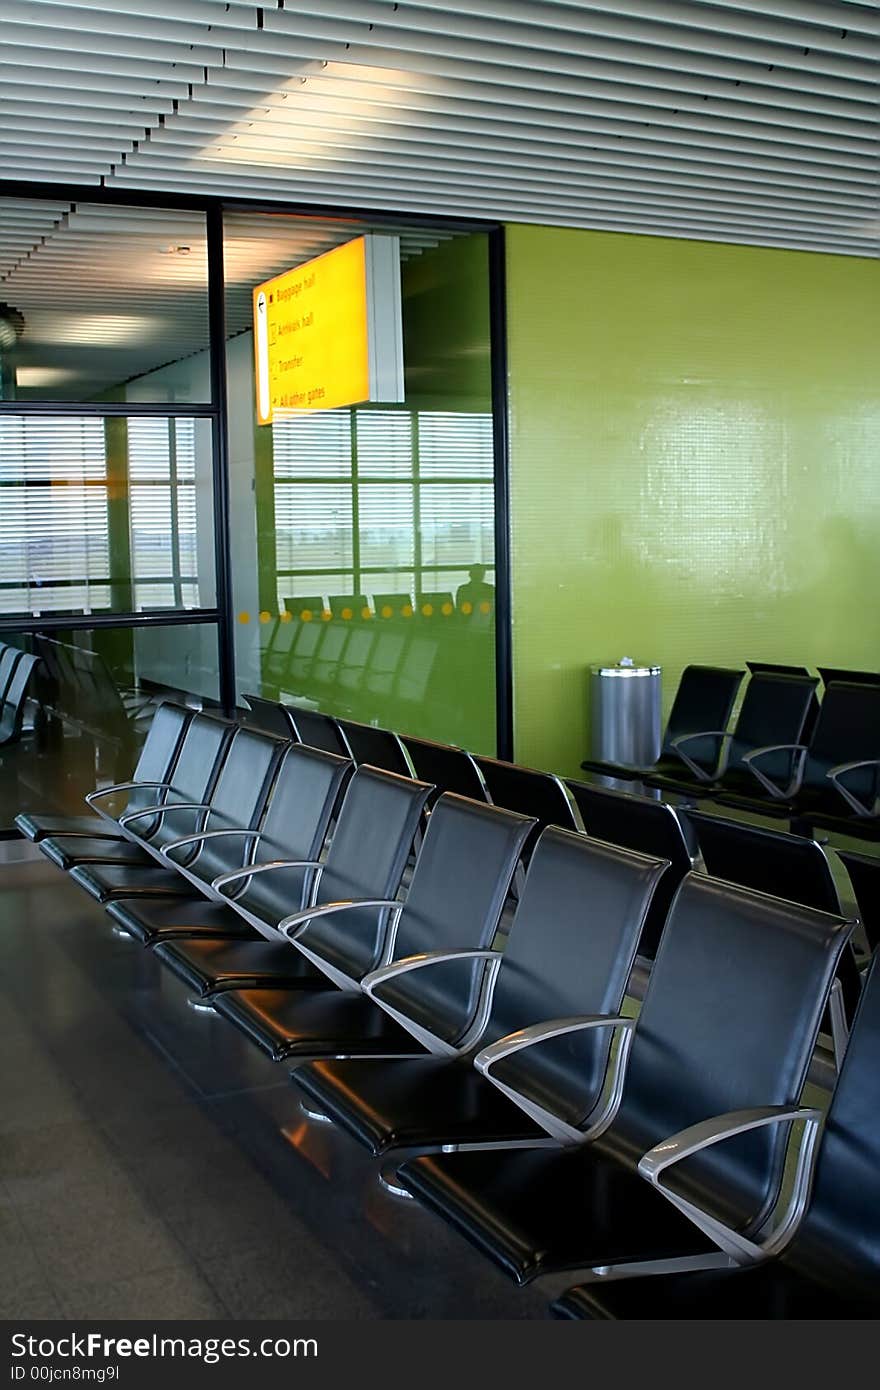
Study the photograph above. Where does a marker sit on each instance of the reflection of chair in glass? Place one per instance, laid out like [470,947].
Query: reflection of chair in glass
[450,769]
[704,700]
[354,664]
[326,661]
[297,673]
[416,668]
[378,747]
[9,657]
[386,656]
[435,605]
[15,699]
[313,604]
[390,606]
[347,606]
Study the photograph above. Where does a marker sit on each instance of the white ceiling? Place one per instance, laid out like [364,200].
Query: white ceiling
[743,120]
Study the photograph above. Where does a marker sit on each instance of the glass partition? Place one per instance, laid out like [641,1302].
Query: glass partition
[363,558]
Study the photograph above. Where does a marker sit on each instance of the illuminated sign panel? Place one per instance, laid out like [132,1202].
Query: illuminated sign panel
[329,332]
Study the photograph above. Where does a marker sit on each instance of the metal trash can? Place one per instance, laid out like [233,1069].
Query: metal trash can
[625,713]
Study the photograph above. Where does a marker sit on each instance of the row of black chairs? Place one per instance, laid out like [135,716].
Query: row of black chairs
[268,875]
[788,755]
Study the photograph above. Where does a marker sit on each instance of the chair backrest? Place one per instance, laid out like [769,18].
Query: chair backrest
[317,730]
[202,751]
[729,1021]
[570,951]
[531,793]
[646,826]
[450,769]
[269,716]
[389,606]
[704,700]
[371,844]
[847,730]
[436,601]
[347,606]
[770,861]
[378,747]
[239,796]
[313,604]
[834,673]
[458,890]
[775,709]
[301,806]
[838,1242]
[782,670]
[864,875]
[159,751]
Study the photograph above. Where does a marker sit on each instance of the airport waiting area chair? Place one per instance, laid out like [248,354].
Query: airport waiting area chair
[378,747]
[864,875]
[570,949]
[774,711]
[317,730]
[269,715]
[708,1042]
[538,794]
[450,769]
[704,700]
[831,1268]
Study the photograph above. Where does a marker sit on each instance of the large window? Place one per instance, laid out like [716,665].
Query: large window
[375,501]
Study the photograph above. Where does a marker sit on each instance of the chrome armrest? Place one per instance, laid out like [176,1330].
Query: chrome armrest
[687,1142]
[561,1130]
[222,879]
[835,774]
[91,797]
[384,973]
[208,835]
[294,925]
[799,750]
[162,808]
[700,772]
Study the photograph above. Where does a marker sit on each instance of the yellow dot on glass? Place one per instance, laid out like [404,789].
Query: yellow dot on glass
[306,615]
[407,610]
[446,609]
[387,610]
[347,615]
[427,610]
[467,607]
[366,613]
[244,617]
[485,607]
[326,615]
[265,616]
[286,617]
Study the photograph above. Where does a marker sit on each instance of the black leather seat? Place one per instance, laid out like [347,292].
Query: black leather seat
[704,700]
[454,903]
[775,710]
[711,1038]
[569,951]
[378,747]
[366,859]
[647,826]
[154,769]
[302,804]
[15,697]
[270,716]
[831,1269]
[177,811]
[786,866]
[531,793]
[450,769]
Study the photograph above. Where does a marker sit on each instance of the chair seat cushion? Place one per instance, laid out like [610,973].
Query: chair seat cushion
[36,827]
[314,1023]
[537,1210]
[770,1291]
[422,1102]
[108,881]
[209,966]
[67,852]
[194,918]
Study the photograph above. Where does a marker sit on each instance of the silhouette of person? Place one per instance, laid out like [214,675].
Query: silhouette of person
[475,596]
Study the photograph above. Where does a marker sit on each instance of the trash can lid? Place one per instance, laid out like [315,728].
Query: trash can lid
[625,667]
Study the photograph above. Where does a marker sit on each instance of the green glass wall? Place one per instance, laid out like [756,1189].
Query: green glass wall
[695,437]
[365,581]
